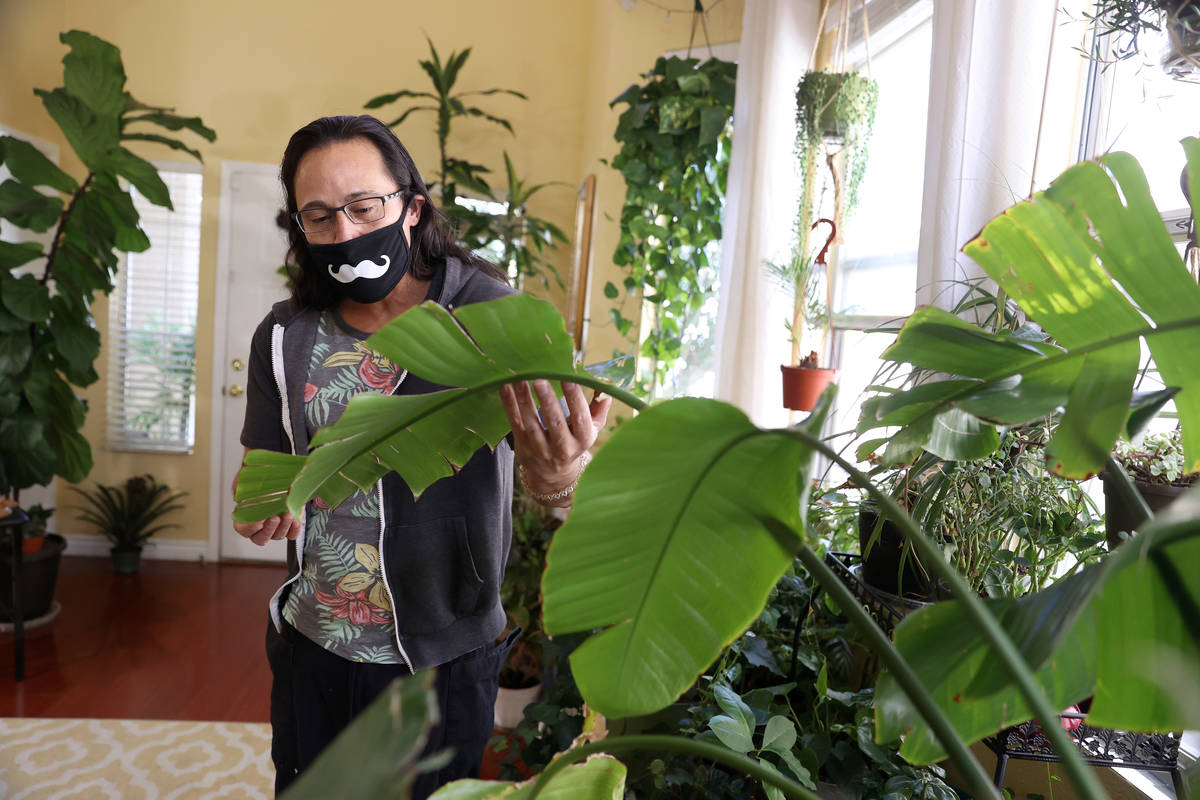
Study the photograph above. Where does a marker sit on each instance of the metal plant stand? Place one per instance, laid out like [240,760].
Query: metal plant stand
[1101,747]
[11,527]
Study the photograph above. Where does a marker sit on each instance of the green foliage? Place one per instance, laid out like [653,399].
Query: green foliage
[687,518]
[518,239]
[521,590]
[48,339]
[835,106]
[39,517]
[525,238]
[675,141]
[356,765]
[126,514]
[1157,459]
[1068,258]
[1117,24]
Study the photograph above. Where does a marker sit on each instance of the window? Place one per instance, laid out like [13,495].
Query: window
[152,324]
[875,274]
[1136,107]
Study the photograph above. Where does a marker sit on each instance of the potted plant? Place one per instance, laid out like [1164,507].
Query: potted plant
[48,339]
[520,592]
[126,514]
[1156,466]
[41,553]
[805,278]
[1116,25]
[835,112]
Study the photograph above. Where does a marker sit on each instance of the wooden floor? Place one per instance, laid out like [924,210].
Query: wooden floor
[178,641]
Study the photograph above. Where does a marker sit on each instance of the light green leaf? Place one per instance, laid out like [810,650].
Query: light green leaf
[173,122]
[174,144]
[958,436]
[599,778]
[28,165]
[780,735]
[734,706]
[375,757]
[732,732]
[682,563]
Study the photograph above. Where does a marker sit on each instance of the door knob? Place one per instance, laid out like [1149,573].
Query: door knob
[238,365]
[236,390]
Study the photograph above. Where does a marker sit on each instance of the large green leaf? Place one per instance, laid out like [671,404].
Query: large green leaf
[376,756]
[173,122]
[90,135]
[599,778]
[676,562]
[15,347]
[28,165]
[425,437]
[75,338]
[1092,263]
[1127,629]
[93,72]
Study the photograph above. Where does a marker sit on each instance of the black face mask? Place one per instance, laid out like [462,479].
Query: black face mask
[367,268]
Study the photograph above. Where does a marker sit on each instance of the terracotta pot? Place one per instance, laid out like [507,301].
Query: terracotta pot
[32,544]
[803,385]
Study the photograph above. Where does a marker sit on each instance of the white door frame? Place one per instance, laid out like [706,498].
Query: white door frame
[220,340]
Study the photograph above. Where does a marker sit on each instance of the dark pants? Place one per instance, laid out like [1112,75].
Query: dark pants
[315,694]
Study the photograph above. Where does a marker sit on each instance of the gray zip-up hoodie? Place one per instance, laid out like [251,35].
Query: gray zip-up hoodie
[442,556]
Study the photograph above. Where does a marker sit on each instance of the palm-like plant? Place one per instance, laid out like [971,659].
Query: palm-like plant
[126,514]
[525,237]
[448,105]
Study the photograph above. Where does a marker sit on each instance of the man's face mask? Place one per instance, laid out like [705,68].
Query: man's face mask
[367,268]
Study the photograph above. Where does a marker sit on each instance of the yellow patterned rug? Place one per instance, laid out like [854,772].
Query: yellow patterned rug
[91,759]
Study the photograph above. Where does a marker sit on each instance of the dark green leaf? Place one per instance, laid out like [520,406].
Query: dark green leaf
[91,136]
[25,297]
[75,338]
[28,208]
[28,165]
[14,255]
[174,144]
[610,291]
[173,122]
[712,122]
[15,348]
[142,174]
[1143,407]
[93,72]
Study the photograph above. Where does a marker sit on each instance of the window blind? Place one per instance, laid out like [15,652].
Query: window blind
[152,325]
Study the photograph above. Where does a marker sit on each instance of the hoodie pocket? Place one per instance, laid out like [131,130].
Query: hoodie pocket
[431,573]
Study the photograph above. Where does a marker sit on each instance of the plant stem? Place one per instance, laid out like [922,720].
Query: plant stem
[60,234]
[977,779]
[672,744]
[1002,645]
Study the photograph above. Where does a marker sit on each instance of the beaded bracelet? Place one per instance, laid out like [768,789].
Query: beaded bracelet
[553,497]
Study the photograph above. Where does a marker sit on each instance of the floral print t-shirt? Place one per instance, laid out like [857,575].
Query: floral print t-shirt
[339,600]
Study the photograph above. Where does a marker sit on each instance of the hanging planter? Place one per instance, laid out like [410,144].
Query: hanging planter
[803,385]
[1118,23]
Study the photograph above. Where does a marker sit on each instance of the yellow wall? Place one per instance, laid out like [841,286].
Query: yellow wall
[256,71]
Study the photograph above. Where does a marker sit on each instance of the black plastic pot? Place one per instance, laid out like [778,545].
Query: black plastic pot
[126,560]
[881,564]
[39,573]
[1119,517]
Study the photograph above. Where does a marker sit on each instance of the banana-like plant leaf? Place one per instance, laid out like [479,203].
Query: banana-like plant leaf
[675,565]
[376,756]
[423,437]
[1127,630]
[1091,261]
[601,777]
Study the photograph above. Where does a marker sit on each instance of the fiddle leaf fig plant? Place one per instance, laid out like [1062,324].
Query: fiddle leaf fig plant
[48,339]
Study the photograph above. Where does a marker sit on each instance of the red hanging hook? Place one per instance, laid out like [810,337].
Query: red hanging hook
[828,242]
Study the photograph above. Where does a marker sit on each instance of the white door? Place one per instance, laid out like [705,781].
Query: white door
[251,249]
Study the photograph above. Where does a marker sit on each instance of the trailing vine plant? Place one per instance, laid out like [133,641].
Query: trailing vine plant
[675,140]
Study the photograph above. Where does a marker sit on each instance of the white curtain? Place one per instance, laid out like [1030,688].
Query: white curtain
[985,99]
[751,340]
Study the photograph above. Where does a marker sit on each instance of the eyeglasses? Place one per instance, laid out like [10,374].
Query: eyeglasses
[360,212]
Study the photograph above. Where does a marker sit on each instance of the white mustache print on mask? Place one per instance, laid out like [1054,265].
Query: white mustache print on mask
[365,269]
